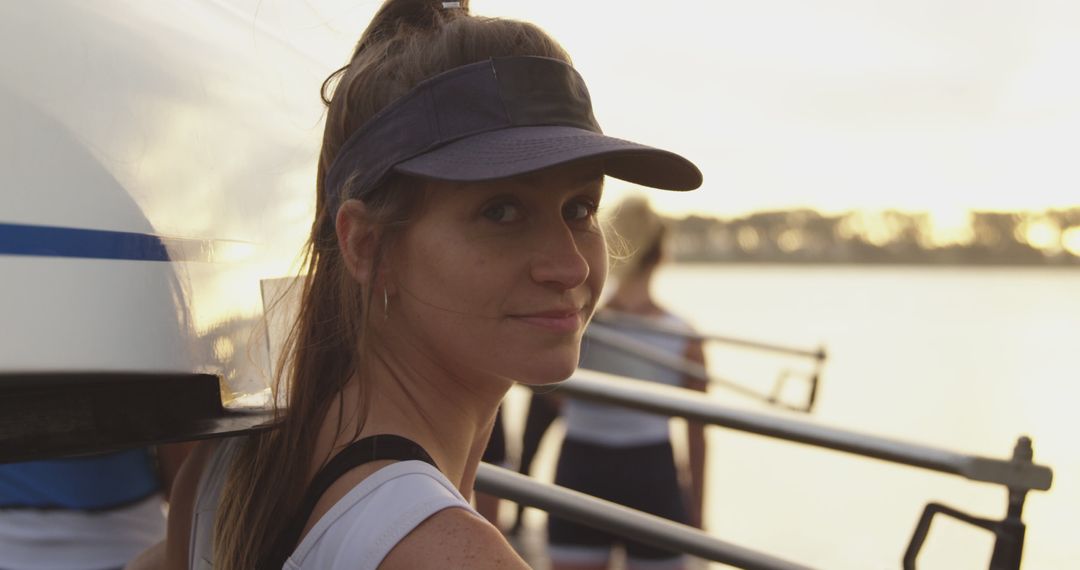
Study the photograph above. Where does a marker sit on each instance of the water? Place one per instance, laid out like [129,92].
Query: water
[963,359]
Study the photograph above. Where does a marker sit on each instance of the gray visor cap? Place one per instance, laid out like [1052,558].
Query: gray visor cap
[523,150]
[495,119]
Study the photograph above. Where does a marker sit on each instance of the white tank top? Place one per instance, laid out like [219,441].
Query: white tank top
[618,426]
[357,532]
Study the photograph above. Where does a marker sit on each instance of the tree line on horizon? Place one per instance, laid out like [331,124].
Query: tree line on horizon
[1047,238]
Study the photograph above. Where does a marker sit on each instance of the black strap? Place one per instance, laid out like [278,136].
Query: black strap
[373,448]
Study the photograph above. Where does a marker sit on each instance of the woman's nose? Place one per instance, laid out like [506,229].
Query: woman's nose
[558,260]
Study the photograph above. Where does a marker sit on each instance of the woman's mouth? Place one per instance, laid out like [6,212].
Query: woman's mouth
[560,320]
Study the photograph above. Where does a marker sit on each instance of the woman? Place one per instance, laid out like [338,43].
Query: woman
[616,453]
[455,251]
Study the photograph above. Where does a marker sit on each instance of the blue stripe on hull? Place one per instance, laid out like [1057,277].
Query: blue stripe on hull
[54,241]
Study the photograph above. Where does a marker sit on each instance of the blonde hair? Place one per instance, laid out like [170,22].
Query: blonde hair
[637,236]
[406,42]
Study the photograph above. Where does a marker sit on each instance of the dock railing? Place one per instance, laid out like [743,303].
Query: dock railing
[620,520]
[1018,474]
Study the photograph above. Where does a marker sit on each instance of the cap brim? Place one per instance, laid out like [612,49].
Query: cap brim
[522,150]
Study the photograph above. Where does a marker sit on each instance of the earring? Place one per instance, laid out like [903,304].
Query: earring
[385,305]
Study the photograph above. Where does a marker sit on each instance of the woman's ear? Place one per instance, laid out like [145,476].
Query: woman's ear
[357,239]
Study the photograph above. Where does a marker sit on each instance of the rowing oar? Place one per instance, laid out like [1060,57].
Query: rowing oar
[649,325]
[646,351]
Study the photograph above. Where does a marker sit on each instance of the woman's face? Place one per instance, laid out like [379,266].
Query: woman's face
[500,278]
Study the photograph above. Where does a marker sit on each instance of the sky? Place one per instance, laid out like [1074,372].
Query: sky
[920,105]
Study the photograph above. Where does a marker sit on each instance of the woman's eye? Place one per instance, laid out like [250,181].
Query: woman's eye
[577,211]
[502,213]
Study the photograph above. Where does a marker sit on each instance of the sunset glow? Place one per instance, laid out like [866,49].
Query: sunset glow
[832,105]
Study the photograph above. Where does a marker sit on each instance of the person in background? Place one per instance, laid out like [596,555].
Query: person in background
[495,454]
[455,250]
[85,513]
[542,412]
[625,455]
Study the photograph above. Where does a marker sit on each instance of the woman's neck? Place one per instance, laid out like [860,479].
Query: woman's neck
[634,295]
[450,417]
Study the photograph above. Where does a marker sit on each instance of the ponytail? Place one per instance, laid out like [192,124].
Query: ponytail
[389,21]
[397,16]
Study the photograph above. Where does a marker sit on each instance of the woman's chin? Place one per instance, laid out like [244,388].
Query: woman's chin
[552,373]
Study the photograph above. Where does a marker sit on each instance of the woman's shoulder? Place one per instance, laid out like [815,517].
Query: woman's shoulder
[402,515]
[453,538]
[675,321]
[656,315]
